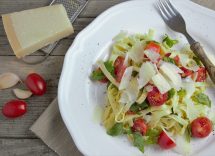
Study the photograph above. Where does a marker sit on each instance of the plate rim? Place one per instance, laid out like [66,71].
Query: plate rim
[77,41]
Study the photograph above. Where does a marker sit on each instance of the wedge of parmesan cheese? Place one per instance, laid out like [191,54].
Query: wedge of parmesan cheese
[30,30]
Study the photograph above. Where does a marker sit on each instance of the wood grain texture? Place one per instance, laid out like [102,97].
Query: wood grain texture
[24,147]
[15,137]
[50,70]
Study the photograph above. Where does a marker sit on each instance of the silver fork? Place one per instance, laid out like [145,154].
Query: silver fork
[176,22]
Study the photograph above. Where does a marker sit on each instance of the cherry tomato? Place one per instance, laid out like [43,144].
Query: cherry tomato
[119,68]
[153,46]
[36,84]
[165,141]
[177,59]
[139,126]
[201,74]
[155,98]
[167,54]
[129,112]
[186,71]
[14,108]
[201,127]
[104,80]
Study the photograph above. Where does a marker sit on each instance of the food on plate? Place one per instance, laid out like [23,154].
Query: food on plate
[30,30]
[14,108]
[156,94]
[36,84]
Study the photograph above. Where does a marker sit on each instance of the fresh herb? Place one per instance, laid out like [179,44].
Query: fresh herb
[138,141]
[127,130]
[201,98]
[169,42]
[182,93]
[138,107]
[116,130]
[97,75]
[168,59]
[171,93]
[197,60]
[109,66]
[151,136]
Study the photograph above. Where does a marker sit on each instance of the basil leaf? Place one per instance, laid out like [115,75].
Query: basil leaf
[168,59]
[139,141]
[97,75]
[169,42]
[138,107]
[109,66]
[151,136]
[171,93]
[201,98]
[116,130]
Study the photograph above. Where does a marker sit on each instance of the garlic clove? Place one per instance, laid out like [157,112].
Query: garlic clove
[8,80]
[22,94]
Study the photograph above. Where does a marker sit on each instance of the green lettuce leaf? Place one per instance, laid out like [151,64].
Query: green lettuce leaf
[168,59]
[138,107]
[151,136]
[109,66]
[97,75]
[201,98]
[171,93]
[139,141]
[167,41]
[116,130]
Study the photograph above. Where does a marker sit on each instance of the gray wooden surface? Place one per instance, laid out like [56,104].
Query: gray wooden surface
[15,137]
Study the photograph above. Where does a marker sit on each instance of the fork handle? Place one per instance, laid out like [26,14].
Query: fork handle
[200,53]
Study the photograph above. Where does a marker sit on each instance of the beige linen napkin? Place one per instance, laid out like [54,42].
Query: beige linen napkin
[51,129]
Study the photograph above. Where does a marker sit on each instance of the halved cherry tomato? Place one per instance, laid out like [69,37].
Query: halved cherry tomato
[139,126]
[177,59]
[14,108]
[186,71]
[167,54]
[36,84]
[153,46]
[201,74]
[201,127]
[119,68]
[129,112]
[155,98]
[165,141]
[104,80]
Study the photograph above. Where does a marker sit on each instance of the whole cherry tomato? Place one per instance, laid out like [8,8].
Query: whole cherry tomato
[14,108]
[201,127]
[36,84]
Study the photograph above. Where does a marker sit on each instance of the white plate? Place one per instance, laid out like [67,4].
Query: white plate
[80,99]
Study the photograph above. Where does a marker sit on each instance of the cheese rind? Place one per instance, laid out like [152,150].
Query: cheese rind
[30,30]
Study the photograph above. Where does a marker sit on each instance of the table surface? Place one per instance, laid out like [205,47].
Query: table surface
[15,136]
